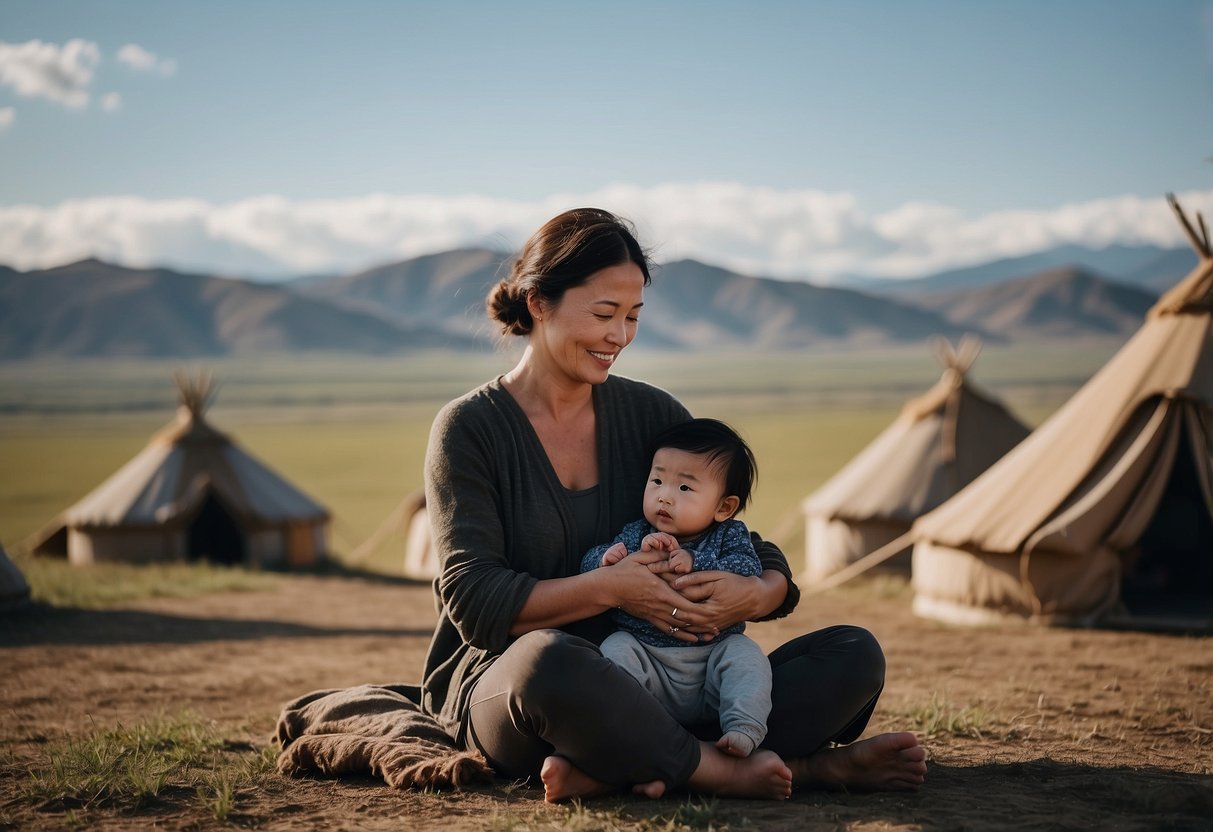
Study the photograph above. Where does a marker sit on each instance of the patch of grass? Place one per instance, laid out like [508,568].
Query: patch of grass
[697,812]
[59,583]
[127,768]
[939,717]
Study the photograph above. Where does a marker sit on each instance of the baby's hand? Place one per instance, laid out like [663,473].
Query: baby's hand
[681,561]
[658,541]
[614,554]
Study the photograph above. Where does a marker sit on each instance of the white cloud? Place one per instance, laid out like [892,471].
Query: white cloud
[60,73]
[136,57]
[759,231]
[111,102]
[7,116]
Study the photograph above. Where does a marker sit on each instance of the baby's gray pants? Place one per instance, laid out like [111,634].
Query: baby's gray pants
[730,678]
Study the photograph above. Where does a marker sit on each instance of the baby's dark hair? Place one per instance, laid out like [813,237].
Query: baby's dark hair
[722,445]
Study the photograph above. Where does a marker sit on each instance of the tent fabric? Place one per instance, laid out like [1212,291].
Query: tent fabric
[1024,489]
[420,554]
[1047,531]
[940,442]
[169,479]
[191,492]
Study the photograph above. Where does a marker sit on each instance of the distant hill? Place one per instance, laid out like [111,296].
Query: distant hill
[1149,267]
[445,290]
[1163,272]
[705,307]
[1063,302]
[691,305]
[92,308]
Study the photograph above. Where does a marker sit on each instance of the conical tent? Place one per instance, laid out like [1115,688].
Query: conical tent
[939,443]
[14,590]
[1108,507]
[420,556]
[192,493]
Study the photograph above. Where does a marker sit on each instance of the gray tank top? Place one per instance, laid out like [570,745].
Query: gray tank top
[585,515]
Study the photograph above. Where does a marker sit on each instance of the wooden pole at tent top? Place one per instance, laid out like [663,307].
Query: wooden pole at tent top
[1201,245]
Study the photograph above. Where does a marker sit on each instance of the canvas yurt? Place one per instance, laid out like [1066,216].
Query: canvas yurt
[1106,511]
[192,494]
[420,556]
[408,522]
[14,590]
[939,443]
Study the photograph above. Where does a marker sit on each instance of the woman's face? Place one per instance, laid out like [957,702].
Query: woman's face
[583,335]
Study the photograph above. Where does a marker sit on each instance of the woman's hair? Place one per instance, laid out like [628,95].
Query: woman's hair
[723,447]
[559,256]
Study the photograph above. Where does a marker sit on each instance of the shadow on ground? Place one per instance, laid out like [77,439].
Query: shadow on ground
[1038,794]
[38,624]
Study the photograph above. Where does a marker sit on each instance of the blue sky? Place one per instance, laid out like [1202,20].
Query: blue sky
[796,139]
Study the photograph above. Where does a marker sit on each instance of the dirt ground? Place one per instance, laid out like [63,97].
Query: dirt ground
[1026,727]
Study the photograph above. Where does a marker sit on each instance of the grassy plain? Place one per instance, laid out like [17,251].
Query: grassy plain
[162,720]
[352,431]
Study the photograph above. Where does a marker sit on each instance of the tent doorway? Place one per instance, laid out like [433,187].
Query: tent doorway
[1172,577]
[214,536]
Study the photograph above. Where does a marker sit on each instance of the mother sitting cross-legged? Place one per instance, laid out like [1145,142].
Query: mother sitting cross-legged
[526,473]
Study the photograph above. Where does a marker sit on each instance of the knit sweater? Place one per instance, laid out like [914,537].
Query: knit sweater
[501,521]
[725,547]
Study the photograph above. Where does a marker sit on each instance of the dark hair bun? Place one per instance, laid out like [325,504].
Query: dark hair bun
[507,308]
[564,253]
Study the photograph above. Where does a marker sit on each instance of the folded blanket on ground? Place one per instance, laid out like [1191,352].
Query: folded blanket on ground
[377,730]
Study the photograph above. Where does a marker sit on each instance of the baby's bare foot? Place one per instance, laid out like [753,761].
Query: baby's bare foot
[887,762]
[736,744]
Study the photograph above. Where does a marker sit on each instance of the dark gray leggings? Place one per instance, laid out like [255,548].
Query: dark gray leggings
[553,693]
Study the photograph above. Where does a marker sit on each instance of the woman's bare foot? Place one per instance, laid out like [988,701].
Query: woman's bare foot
[887,762]
[564,781]
[735,744]
[762,775]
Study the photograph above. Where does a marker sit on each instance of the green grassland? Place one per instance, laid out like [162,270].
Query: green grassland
[351,431]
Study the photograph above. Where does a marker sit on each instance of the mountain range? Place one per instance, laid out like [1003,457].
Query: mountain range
[436,302]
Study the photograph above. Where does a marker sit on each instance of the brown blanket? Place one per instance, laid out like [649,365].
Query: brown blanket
[377,730]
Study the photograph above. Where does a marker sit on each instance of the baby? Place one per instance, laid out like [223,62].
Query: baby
[701,476]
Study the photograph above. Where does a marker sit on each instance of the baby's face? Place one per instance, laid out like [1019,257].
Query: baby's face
[684,494]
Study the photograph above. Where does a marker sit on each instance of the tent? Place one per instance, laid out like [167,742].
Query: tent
[191,494]
[420,556]
[410,523]
[939,443]
[14,590]
[1107,509]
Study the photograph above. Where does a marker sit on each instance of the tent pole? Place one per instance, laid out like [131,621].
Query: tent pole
[862,565]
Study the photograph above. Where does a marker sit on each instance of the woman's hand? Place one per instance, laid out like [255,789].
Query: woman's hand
[640,583]
[724,599]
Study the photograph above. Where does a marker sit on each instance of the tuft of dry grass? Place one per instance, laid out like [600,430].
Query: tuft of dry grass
[60,584]
[939,717]
[126,768]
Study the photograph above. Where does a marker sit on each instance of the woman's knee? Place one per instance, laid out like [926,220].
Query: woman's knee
[843,654]
[864,655]
[549,664]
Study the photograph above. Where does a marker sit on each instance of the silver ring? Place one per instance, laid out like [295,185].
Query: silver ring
[674,614]
[673,630]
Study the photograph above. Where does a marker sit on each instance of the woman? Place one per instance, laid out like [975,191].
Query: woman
[526,473]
